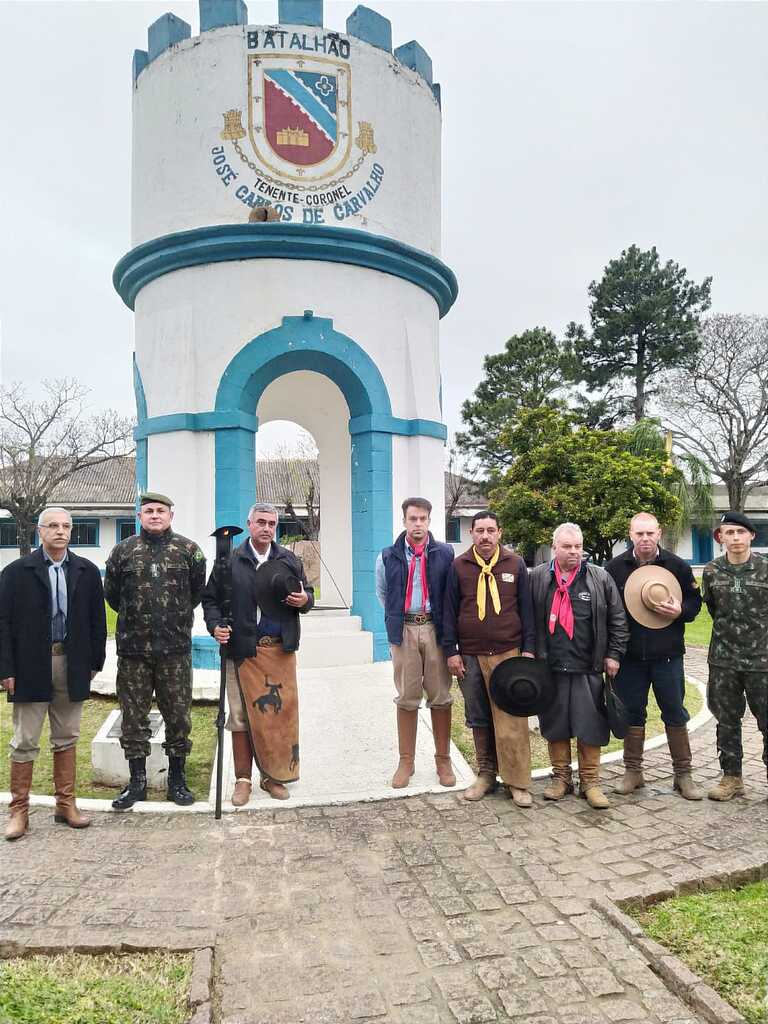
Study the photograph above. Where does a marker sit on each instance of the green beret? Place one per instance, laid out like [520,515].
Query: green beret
[153,497]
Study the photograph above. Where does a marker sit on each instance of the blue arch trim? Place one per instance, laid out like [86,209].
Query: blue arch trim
[304,343]
[309,343]
[325,243]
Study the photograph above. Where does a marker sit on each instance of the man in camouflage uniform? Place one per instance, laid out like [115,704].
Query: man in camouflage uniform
[735,589]
[154,581]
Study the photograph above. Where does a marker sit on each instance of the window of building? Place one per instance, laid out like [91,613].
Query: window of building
[9,535]
[125,528]
[453,530]
[761,534]
[85,533]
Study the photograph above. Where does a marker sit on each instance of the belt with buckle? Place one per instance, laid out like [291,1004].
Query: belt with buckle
[57,647]
[269,641]
[419,619]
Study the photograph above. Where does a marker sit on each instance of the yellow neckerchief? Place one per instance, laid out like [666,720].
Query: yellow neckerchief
[486,573]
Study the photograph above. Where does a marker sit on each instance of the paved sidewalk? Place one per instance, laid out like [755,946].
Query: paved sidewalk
[424,910]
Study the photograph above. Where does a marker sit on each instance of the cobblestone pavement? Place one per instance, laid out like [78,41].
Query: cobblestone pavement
[423,910]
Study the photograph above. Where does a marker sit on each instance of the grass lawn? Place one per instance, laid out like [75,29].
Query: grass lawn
[698,632]
[143,988]
[462,736]
[95,711]
[723,937]
[111,620]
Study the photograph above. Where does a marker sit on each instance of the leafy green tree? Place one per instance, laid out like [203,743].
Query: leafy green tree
[532,371]
[590,477]
[644,317]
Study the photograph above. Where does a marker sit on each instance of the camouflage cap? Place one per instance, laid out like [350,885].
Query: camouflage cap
[155,497]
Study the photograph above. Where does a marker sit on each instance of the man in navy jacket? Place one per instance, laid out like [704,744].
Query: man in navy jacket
[410,583]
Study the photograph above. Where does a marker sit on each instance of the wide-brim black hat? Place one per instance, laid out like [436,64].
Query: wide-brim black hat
[274,582]
[522,686]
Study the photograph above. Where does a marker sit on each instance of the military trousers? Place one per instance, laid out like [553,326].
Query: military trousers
[728,693]
[169,678]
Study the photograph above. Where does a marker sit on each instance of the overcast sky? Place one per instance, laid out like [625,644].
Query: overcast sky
[570,131]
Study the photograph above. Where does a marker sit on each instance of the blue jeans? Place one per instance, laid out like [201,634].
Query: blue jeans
[666,676]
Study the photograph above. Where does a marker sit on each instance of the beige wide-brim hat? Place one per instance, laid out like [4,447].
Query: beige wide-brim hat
[648,586]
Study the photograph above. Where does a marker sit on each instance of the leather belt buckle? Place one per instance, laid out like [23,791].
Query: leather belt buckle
[268,641]
[419,619]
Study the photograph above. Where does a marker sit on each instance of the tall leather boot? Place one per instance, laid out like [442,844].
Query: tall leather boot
[561,783]
[137,786]
[485,748]
[21,783]
[242,755]
[632,779]
[680,752]
[589,776]
[407,723]
[178,791]
[441,730]
[66,812]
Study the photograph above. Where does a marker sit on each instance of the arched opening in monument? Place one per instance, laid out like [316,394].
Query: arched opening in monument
[303,468]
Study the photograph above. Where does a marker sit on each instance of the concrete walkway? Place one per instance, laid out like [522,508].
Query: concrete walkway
[423,910]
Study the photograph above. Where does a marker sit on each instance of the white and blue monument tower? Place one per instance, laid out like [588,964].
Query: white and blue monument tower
[326,316]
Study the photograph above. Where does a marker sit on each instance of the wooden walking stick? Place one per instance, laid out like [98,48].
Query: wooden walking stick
[223,569]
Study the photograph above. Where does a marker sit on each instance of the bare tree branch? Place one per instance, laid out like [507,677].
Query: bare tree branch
[717,403]
[45,441]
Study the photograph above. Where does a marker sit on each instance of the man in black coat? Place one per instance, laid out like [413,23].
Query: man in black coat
[53,633]
[654,656]
[261,641]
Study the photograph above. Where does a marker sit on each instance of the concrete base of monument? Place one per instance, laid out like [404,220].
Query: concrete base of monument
[110,767]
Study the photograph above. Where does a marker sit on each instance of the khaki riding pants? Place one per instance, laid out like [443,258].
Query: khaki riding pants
[513,742]
[63,714]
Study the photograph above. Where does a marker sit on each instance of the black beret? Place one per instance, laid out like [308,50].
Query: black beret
[737,519]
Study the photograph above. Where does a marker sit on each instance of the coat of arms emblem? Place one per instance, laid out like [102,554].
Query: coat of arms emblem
[299,114]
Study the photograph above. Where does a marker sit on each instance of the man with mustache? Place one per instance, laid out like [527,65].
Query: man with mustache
[487,618]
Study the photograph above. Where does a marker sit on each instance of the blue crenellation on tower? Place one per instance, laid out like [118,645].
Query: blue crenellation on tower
[363,23]
[415,57]
[140,61]
[371,27]
[219,13]
[300,12]
[164,32]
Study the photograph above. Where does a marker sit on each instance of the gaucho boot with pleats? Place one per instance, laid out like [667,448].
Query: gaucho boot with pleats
[441,730]
[632,779]
[407,724]
[64,769]
[487,765]
[561,783]
[21,784]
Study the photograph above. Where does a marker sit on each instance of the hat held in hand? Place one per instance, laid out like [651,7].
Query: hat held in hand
[647,588]
[274,582]
[522,686]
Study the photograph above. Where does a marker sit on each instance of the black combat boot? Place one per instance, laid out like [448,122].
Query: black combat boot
[137,788]
[178,793]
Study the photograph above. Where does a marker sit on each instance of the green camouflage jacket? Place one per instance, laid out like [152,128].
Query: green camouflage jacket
[154,583]
[737,598]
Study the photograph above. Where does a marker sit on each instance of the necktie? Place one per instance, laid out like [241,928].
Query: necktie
[418,553]
[59,621]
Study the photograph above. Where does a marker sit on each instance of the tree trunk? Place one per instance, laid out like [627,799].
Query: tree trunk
[24,529]
[737,492]
[639,402]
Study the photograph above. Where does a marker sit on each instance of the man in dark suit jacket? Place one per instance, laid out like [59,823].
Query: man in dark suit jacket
[53,633]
